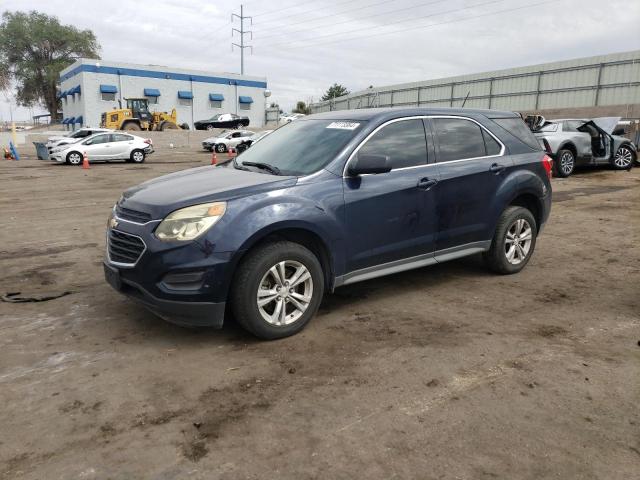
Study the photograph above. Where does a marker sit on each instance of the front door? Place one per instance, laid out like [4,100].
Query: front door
[471,168]
[390,216]
[98,147]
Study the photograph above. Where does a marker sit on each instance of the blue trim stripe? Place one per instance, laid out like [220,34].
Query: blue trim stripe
[134,72]
[108,89]
[151,92]
[216,97]
[186,94]
[243,99]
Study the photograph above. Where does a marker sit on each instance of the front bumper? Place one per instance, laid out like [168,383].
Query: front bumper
[186,284]
[184,313]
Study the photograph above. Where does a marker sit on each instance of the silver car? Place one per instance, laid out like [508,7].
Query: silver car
[71,137]
[225,140]
[574,142]
[104,147]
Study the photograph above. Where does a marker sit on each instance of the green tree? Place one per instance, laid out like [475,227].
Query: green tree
[334,91]
[302,107]
[34,48]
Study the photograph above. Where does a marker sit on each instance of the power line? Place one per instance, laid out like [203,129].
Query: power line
[288,32]
[428,25]
[319,9]
[282,9]
[396,22]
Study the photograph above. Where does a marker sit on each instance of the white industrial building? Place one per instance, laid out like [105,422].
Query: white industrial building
[90,87]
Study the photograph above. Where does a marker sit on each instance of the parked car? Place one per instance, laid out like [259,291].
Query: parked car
[574,142]
[246,143]
[290,117]
[104,147]
[227,139]
[326,201]
[72,137]
[223,120]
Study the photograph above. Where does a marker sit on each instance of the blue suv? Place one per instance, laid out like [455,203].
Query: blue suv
[325,201]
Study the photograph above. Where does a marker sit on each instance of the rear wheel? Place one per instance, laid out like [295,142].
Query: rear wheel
[238,126]
[210,127]
[513,242]
[623,158]
[565,163]
[277,290]
[137,156]
[167,125]
[74,158]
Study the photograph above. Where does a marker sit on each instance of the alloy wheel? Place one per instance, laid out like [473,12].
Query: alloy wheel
[623,157]
[75,159]
[566,163]
[284,293]
[517,242]
[138,157]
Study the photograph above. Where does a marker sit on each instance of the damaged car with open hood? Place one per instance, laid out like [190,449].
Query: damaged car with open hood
[577,142]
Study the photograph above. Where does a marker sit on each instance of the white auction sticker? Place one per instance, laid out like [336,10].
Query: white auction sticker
[344,125]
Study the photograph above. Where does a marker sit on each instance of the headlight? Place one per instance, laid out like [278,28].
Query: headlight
[191,222]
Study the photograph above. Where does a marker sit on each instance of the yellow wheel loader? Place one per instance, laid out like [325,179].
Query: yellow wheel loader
[138,117]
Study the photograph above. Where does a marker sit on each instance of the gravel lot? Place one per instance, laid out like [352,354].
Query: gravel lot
[448,372]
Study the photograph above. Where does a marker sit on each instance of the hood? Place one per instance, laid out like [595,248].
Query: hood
[56,138]
[213,139]
[165,194]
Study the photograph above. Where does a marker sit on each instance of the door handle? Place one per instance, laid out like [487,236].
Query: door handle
[497,168]
[426,183]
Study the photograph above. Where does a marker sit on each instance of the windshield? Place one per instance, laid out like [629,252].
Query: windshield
[548,127]
[304,147]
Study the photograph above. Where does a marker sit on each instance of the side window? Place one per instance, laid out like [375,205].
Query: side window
[404,142]
[120,137]
[98,139]
[490,143]
[85,133]
[458,139]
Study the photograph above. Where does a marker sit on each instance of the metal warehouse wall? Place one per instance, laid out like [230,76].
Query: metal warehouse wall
[584,82]
[131,80]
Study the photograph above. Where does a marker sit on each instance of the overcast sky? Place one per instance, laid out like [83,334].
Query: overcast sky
[303,46]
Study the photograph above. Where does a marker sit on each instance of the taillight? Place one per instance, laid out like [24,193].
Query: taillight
[148,141]
[547,163]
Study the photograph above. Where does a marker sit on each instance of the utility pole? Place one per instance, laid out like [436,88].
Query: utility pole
[242,33]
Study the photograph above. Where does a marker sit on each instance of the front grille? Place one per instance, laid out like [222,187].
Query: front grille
[132,215]
[124,248]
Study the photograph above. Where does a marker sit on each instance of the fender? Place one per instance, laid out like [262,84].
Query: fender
[569,145]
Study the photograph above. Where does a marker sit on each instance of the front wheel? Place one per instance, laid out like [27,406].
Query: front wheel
[277,290]
[221,148]
[137,156]
[74,158]
[625,156]
[210,127]
[513,242]
[565,163]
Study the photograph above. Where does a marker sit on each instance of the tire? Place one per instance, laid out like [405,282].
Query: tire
[137,156]
[238,126]
[167,125]
[184,126]
[502,246]
[210,127]
[624,158]
[256,272]
[221,148]
[131,126]
[74,158]
[565,163]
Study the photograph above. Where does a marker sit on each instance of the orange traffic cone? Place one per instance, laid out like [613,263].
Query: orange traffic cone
[214,158]
[85,161]
[231,152]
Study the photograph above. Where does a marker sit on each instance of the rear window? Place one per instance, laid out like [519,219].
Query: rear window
[516,127]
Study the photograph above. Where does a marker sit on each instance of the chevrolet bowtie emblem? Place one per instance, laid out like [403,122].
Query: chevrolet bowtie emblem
[113,223]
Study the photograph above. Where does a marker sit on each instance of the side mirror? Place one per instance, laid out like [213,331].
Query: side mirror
[364,164]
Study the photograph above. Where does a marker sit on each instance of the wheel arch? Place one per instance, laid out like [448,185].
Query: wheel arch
[532,203]
[569,146]
[297,233]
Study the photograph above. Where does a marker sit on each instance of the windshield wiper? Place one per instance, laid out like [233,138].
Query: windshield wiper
[265,166]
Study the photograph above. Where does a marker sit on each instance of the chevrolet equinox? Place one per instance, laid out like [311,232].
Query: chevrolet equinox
[326,201]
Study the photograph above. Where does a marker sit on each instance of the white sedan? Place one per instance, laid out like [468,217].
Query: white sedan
[102,147]
[72,137]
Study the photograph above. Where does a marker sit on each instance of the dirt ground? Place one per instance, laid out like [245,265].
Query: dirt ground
[448,372]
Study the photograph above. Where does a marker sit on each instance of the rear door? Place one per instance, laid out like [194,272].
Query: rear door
[471,164]
[391,216]
[121,145]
